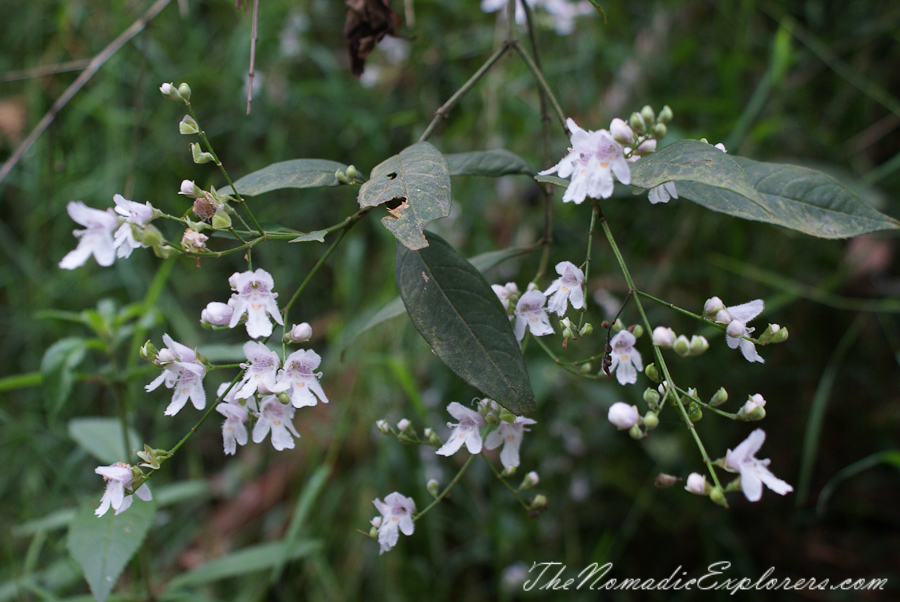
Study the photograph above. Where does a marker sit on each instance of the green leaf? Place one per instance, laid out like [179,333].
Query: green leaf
[102,438]
[456,312]
[793,197]
[298,173]
[555,180]
[491,163]
[104,545]
[58,371]
[416,183]
[247,560]
[316,235]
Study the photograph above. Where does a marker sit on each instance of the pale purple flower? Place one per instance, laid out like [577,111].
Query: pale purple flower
[510,436]
[467,431]
[96,239]
[298,377]
[592,161]
[136,216]
[118,478]
[504,292]
[396,515]
[300,333]
[183,372]
[530,312]
[234,432]
[662,193]
[217,314]
[261,371]
[568,287]
[626,361]
[254,297]
[277,417]
[696,484]
[663,337]
[737,328]
[622,415]
[754,473]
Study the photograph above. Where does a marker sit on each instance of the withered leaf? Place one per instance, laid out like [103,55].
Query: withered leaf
[368,21]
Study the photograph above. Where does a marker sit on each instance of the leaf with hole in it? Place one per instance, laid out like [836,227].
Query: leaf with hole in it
[58,370]
[416,187]
[459,315]
[102,438]
[492,163]
[297,173]
[104,545]
[793,197]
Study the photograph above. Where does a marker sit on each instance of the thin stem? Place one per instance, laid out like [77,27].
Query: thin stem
[312,273]
[446,490]
[539,77]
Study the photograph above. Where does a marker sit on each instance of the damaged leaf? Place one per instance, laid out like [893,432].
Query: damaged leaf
[368,21]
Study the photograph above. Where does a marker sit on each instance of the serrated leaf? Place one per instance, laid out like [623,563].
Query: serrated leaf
[241,562]
[297,173]
[492,163]
[103,545]
[316,235]
[418,182]
[456,312]
[102,438]
[793,197]
[58,371]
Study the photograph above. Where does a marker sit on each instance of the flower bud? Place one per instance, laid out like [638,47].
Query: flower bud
[637,122]
[433,487]
[753,409]
[508,472]
[736,329]
[586,329]
[199,156]
[618,326]
[663,480]
[492,419]
[682,346]
[341,176]
[188,125]
[189,189]
[185,91]
[530,480]
[712,306]
[221,220]
[636,433]
[719,398]
[780,336]
[722,317]
[352,173]
[149,236]
[665,115]
[170,92]
[164,251]
[652,373]
[586,368]
[383,426]
[376,522]
[646,147]
[696,484]
[695,413]
[299,333]
[637,330]
[164,357]
[148,351]
[622,415]
[651,398]
[651,420]
[539,502]
[403,425]
[699,345]
[620,131]
[507,416]
[648,114]
[659,131]
[216,314]
[663,337]
[283,397]
[717,496]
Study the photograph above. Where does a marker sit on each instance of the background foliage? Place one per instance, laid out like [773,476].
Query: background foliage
[806,82]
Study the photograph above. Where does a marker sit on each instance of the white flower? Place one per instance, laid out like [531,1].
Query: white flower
[592,160]
[737,328]
[567,286]
[467,431]
[622,415]
[233,430]
[663,337]
[189,189]
[254,297]
[721,147]
[96,238]
[298,377]
[754,472]
[530,312]
[504,292]
[300,333]
[136,215]
[118,478]
[662,193]
[696,483]
[183,372]
[510,435]
[396,514]
[626,361]
[278,417]
[217,314]
[260,371]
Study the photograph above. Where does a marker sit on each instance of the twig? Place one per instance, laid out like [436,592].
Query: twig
[252,55]
[78,65]
[82,79]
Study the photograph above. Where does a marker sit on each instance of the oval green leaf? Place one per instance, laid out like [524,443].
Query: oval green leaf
[104,545]
[456,312]
[793,197]
[492,163]
[58,371]
[102,438]
[418,182]
[298,173]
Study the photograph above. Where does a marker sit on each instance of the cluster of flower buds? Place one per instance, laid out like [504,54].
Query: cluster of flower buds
[210,207]
[640,134]
[348,176]
[182,92]
[626,417]
[666,338]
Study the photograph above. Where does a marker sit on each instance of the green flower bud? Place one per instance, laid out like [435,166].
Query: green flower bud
[434,488]
[341,176]
[651,420]
[637,122]
[586,329]
[659,131]
[508,472]
[164,251]
[150,236]
[284,398]
[567,334]
[651,398]
[530,480]
[539,502]
[699,345]
[170,92]
[682,346]
[185,91]
[200,156]
[148,351]
[635,432]
[188,125]
[586,368]
[718,496]
[648,114]
[352,173]
[695,413]
[492,419]
[665,116]
[638,331]
[618,326]
[652,373]
[373,532]
[221,220]
[719,398]
[780,336]
[507,416]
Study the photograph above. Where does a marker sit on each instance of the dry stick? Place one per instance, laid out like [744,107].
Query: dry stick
[252,55]
[78,65]
[82,79]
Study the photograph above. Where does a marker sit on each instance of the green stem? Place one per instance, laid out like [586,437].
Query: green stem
[542,83]
[446,490]
[312,273]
